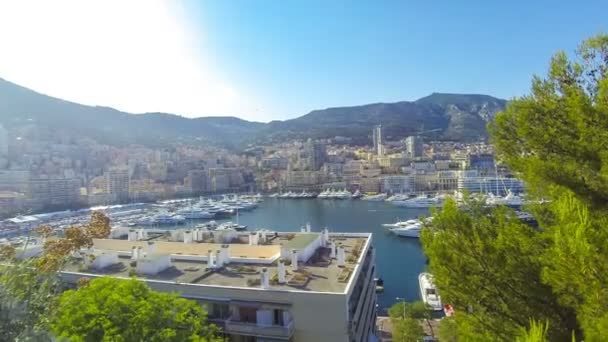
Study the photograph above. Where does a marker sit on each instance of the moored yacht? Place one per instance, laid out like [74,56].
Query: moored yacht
[411,230]
[374,198]
[420,202]
[428,292]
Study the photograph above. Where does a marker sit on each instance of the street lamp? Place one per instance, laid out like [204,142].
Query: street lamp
[400,299]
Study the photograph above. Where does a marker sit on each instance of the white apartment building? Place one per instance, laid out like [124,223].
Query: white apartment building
[257,286]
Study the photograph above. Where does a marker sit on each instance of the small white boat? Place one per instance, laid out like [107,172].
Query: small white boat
[428,292]
[357,194]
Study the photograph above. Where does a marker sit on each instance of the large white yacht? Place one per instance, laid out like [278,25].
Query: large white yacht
[428,292]
[411,230]
[375,198]
[401,224]
[510,200]
[420,202]
[194,213]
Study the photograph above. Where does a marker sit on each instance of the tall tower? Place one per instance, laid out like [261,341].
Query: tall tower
[378,140]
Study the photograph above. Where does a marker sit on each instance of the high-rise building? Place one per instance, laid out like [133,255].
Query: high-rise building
[378,140]
[53,192]
[414,146]
[197,181]
[117,181]
[316,154]
[257,286]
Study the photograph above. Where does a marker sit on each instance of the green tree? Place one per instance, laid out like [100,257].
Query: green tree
[415,310]
[556,139]
[448,330]
[536,333]
[487,264]
[109,309]
[407,330]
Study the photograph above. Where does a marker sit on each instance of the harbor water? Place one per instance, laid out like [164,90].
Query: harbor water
[399,260]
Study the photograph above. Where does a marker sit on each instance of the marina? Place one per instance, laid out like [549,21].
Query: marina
[396,228]
[399,260]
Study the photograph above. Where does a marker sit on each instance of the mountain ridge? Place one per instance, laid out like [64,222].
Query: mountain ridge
[450,116]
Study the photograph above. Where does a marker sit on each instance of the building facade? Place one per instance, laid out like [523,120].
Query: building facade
[259,286]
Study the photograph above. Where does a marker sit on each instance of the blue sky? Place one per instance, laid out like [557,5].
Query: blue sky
[263,60]
[296,56]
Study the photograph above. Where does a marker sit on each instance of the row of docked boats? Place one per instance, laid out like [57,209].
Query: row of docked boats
[404,200]
[203,209]
[326,194]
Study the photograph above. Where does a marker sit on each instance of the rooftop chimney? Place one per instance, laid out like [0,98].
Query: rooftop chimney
[308,227]
[325,237]
[294,260]
[134,255]
[341,255]
[151,248]
[218,259]
[332,250]
[140,252]
[253,238]
[225,254]
[187,236]
[263,236]
[210,258]
[281,272]
[265,279]
[132,235]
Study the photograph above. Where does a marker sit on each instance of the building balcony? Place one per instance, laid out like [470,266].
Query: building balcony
[258,330]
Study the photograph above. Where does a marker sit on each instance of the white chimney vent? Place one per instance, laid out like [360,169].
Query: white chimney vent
[253,238]
[308,227]
[187,236]
[151,248]
[225,254]
[294,260]
[210,258]
[281,272]
[341,256]
[218,259]
[265,280]
[263,236]
[332,250]
[134,255]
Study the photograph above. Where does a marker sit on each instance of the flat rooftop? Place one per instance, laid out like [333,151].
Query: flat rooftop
[320,273]
[195,248]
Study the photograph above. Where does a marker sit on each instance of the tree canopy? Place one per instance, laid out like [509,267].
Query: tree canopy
[108,309]
[504,277]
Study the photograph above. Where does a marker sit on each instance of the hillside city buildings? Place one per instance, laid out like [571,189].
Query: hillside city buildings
[57,172]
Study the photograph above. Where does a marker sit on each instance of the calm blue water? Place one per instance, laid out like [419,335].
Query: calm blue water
[398,260]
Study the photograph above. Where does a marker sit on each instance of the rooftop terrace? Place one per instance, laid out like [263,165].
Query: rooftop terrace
[320,272]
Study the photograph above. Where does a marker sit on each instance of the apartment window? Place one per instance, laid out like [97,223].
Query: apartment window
[217,310]
[278,317]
